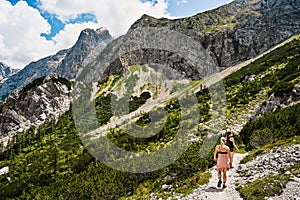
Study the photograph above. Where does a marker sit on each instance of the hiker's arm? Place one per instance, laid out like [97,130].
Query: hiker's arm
[234,144]
[215,154]
[228,153]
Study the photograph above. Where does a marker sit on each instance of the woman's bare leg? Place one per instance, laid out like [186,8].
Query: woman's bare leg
[231,158]
[224,176]
[220,174]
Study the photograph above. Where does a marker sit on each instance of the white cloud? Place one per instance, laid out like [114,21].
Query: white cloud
[21,26]
[20,29]
[181,2]
[3,51]
[115,15]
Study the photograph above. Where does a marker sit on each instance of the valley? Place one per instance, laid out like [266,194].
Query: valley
[138,116]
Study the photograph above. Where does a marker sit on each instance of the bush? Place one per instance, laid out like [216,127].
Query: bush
[282,87]
[279,125]
[260,138]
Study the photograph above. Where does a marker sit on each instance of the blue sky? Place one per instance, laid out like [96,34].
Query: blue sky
[193,7]
[56,24]
[33,29]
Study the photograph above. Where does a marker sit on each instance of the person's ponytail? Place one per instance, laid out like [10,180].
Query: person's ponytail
[223,141]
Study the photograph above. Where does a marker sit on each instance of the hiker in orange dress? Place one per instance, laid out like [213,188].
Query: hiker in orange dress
[222,161]
[231,145]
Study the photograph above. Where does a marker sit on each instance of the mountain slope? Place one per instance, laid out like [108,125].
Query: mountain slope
[57,164]
[247,99]
[66,63]
[31,72]
[6,71]
[237,31]
[52,162]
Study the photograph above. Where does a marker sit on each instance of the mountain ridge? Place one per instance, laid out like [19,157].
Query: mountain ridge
[65,62]
[236,31]
[6,71]
[232,33]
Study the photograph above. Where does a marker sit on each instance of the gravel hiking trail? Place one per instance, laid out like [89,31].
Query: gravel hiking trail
[210,191]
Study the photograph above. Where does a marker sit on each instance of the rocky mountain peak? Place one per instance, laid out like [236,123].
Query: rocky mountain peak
[66,63]
[90,36]
[100,33]
[90,43]
[6,71]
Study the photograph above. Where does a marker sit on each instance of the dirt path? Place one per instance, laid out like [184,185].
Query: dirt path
[211,192]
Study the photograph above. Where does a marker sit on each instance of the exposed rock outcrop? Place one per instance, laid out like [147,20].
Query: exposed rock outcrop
[43,99]
[4,170]
[272,163]
[277,102]
[291,190]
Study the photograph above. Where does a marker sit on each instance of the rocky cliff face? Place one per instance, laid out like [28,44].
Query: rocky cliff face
[89,45]
[66,63]
[237,31]
[230,34]
[43,99]
[6,71]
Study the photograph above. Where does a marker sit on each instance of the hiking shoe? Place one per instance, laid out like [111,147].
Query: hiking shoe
[219,184]
[224,186]
[231,167]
